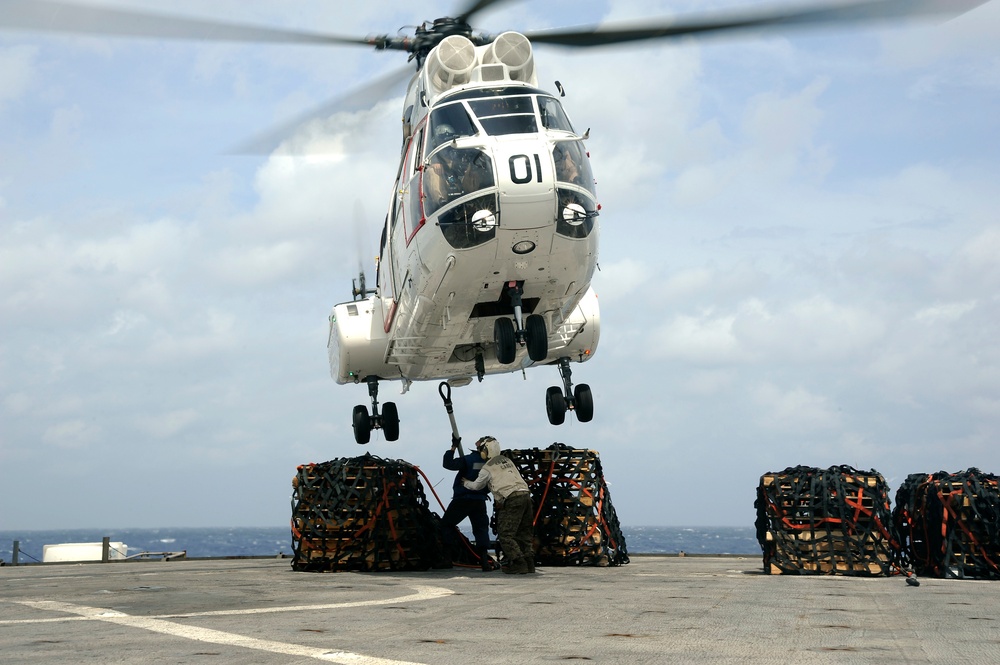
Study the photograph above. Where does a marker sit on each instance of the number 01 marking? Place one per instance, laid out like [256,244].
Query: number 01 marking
[520,169]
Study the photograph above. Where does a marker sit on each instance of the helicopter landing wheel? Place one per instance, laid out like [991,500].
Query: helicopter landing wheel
[390,421]
[505,340]
[538,339]
[362,424]
[555,405]
[583,401]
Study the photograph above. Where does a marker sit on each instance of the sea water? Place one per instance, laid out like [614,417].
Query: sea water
[272,541]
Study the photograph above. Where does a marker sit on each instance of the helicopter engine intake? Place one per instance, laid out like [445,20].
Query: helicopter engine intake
[514,50]
[451,62]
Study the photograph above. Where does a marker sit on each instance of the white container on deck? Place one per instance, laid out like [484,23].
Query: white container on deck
[82,552]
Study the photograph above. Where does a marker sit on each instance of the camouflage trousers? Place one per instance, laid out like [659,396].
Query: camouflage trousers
[515,532]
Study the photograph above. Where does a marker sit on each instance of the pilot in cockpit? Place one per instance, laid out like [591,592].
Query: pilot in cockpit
[566,167]
[440,175]
[447,172]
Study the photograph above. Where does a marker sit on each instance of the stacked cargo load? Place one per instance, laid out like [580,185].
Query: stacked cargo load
[949,523]
[363,513]
[813,521]
[575,522]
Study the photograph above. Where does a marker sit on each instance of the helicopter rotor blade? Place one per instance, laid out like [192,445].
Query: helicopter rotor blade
[358,99]
[475,7]
[829,12]
[52,16]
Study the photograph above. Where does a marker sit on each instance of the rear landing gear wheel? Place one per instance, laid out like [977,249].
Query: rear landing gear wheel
[559,400]
[362,424]
[505,340]
[555,405]
[583,400]
[390,421]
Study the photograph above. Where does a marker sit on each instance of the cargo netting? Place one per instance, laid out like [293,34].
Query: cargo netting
[575,521]
[949,523]
[814,521]
[365,514]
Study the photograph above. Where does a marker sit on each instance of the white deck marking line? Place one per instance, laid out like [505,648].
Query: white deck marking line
[158,624]
[422,593]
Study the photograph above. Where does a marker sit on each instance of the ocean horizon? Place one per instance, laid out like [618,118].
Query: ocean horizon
[273,541]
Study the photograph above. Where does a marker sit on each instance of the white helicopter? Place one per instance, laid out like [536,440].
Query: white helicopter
[491,238]
[490,242]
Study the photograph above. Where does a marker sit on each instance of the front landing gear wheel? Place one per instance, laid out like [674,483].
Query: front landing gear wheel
[538,339]
[505,340]
[362,424]
[390,421]
[555,405]
[583,401]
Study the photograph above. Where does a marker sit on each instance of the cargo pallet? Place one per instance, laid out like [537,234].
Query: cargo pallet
[835,521]
[949,524]
[365,514]
[575,521]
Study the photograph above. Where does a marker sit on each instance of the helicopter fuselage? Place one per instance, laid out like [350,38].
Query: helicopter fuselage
[493,192]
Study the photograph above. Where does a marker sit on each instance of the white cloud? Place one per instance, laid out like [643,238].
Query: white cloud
[981,256]
[814,329]
[624,279]
[72,434]
[167,425]
[794,410]
[708,383]
[17,72]
[213,331]
[945,313]
[140,249]
[253,266]
[705,338]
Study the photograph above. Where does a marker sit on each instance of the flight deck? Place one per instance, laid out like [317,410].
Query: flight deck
[656,609]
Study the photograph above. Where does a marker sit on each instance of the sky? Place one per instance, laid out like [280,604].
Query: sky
[800,263]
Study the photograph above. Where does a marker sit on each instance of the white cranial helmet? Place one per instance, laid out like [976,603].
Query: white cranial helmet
[488,447]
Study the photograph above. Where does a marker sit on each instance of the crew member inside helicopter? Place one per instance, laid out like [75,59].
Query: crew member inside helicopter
[453,172]
[570,165]
[446,174]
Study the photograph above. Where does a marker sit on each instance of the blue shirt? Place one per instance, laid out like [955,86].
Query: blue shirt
[468,468]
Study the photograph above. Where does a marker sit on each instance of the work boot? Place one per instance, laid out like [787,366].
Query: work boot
[529,561]
[485,561]
[517,567]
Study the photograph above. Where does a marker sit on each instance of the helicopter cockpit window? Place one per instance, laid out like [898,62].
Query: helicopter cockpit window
[451,173]
[576,214]
[572,165]
[447,123]
[472,222]
[506,115]
[553,116]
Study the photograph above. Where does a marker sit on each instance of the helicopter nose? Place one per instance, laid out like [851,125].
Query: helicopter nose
[526,181]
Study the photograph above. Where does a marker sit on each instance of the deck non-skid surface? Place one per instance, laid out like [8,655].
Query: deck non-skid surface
[653,610]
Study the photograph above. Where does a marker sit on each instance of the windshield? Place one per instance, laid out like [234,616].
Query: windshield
[553,116]
[572,165]
[449,122]
[451,173]
[506,115]
[498,114]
